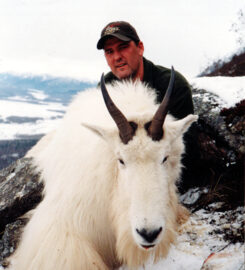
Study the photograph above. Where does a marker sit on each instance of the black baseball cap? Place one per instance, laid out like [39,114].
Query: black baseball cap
[121,30]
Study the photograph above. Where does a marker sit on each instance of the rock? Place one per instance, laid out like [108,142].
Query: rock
[20,189]
[221,150]
[10,239]
[220,120]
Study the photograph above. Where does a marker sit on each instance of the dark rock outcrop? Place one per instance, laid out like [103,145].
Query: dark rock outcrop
[221,143]
[20,191]
[10,238]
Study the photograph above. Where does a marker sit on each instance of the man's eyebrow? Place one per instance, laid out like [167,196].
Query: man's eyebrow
[124,43]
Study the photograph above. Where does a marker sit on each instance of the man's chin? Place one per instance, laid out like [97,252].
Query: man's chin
[124,75]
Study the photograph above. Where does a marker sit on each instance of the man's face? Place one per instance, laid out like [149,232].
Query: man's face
[124,58]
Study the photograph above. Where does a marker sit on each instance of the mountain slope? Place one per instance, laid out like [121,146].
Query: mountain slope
[233,66]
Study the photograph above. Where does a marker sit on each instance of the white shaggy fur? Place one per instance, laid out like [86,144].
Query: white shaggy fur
[92,203]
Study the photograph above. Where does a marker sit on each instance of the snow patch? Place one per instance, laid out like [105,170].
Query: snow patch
[230,89]
[38,94]
[192,195]
[18,98]
[44,110]
[16,131]
[10,177]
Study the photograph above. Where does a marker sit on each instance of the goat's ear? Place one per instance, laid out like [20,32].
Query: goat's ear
[102,133]
[181,126]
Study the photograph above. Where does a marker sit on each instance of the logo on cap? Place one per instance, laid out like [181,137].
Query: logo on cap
[110,30]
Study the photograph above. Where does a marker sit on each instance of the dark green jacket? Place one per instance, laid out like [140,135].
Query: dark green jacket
[157,77]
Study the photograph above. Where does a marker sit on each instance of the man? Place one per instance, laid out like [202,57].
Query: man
[124,54]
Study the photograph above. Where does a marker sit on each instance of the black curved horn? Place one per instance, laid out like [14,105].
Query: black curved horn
[126,129]
[155,129]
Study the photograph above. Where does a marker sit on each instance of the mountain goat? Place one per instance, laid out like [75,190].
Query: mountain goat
[110,196]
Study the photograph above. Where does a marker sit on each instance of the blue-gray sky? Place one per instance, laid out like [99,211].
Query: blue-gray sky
[58,37]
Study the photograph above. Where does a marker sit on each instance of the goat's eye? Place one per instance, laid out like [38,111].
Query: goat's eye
[165,159]
[121,161]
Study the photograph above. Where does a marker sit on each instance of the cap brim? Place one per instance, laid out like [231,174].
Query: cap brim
[100,44]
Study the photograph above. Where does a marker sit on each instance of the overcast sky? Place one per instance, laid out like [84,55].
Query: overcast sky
[58,37]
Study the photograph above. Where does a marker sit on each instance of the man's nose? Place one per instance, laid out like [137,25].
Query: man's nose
[117,56]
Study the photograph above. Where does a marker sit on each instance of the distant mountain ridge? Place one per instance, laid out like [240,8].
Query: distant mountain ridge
[51,89]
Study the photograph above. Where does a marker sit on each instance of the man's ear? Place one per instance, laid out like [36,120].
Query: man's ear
[141,48]
[98,131]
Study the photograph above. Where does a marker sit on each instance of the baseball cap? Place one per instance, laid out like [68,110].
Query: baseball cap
[121,30]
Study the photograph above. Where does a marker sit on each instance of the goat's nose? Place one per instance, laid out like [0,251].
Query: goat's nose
[149,235]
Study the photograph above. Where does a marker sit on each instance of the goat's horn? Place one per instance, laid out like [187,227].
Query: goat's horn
[126,129]
[155,129]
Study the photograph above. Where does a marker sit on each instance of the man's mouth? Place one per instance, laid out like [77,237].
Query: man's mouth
[121,65]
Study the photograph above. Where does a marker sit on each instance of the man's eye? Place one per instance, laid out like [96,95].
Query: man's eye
[164,159]
[108,52]
[124,45]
